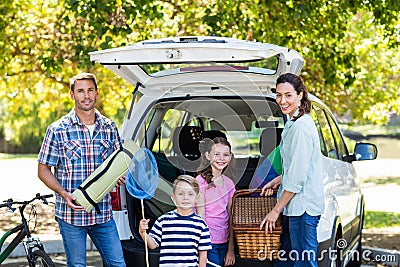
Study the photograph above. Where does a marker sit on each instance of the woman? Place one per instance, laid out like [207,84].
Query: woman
[300,194]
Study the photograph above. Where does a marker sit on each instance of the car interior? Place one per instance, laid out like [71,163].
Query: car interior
[252,126]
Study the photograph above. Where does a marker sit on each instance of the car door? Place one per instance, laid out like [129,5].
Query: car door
[341,192]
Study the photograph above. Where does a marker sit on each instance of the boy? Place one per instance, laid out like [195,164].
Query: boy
[181,234]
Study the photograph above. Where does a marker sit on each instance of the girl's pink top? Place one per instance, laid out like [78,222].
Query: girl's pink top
[216,208]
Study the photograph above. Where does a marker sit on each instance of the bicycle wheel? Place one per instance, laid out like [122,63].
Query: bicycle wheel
[42,259]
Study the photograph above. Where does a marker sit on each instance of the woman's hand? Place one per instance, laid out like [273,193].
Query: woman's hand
[267,191]
[270,220]
[269,187]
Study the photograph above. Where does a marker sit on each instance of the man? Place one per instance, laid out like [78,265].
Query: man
[75,146]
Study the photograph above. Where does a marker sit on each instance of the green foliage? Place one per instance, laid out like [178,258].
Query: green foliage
[379,219]
[350,48]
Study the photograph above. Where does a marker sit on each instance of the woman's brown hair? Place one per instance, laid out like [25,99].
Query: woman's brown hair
[298,85]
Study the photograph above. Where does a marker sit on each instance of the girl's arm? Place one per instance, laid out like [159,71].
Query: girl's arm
[200,210]
[143,226]
[230,254]
[202,258]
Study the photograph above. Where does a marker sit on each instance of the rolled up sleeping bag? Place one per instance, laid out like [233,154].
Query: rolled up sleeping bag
[105,177]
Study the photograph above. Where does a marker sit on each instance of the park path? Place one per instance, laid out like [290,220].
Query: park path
[380,184]
[19,181]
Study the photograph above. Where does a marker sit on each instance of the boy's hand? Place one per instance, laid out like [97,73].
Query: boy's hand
[143,225]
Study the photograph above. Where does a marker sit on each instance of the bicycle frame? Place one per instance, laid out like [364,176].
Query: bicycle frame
[23,231]
[14,243]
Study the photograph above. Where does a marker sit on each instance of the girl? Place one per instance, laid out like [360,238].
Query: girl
[301,193]
[215,200]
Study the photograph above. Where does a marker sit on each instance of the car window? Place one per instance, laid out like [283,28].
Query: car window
[313,114]
[341,147]
[247,143]
[266,66]
[240,121]
[327,141]
[171,120]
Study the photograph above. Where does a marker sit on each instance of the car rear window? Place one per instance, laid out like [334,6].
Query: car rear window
[241,121]
[265,67]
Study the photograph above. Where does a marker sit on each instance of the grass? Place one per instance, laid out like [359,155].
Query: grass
[383,180]
[380,219]
[17,156]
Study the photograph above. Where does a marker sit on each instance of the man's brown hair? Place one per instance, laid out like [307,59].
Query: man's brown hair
[83,76]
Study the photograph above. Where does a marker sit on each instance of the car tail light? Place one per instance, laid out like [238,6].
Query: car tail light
[115,198]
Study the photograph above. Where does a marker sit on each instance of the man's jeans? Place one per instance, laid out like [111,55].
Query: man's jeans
[104,236]
[299,241]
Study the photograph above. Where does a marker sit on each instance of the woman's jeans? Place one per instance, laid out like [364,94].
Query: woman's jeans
[299,241]
[217,254]
[104,236]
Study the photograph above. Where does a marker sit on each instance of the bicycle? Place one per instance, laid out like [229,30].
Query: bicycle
[34,250]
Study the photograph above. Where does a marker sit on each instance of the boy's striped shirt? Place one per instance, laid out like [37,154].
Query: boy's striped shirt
[180,238]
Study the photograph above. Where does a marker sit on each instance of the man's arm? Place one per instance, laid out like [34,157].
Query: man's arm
[48,178]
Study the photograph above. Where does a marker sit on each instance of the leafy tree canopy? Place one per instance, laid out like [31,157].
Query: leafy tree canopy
[350,48]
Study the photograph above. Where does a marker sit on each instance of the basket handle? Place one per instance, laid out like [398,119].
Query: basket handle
[245,192]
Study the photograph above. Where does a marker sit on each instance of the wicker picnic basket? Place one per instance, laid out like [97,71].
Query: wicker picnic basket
[248,211]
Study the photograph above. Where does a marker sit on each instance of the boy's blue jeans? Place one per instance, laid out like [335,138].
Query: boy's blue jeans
[299,241]
[104,236]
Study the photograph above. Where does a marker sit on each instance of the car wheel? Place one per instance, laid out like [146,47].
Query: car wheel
[336,255]
[357,256]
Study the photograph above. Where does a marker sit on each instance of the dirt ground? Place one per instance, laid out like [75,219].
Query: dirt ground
[45,222]
[386,238]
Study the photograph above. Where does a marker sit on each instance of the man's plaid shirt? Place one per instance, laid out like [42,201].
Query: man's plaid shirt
[74,154]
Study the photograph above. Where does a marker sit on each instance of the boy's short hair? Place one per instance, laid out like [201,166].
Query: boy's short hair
[188,179]
[83,76]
